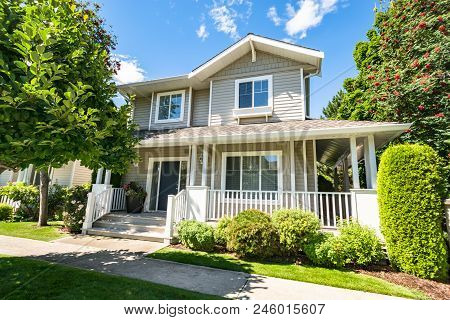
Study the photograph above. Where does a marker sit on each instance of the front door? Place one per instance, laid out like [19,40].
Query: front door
[168,178]
[168,185]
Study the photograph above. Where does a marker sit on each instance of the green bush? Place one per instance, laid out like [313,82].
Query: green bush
[324,249]
[6,212]
[360,244]
[252,234]
[411,188]
[29,200]
[75,207]
[196,235]
[56,202]
[295,228]
[355,245]
[221,232]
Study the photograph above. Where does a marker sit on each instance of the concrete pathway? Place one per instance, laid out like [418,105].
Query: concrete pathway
[127,258]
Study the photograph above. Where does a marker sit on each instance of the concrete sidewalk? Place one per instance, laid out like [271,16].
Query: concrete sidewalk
[108,255]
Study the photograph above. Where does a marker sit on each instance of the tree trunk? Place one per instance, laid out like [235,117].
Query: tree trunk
[43,198]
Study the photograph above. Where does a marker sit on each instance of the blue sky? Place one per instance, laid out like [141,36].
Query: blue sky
[159,38]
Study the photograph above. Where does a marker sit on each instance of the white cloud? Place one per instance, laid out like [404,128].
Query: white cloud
[130,71]
[273,15]
[309,15]
[224,20]
[201,32]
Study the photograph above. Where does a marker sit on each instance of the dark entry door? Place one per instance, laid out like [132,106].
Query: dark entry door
[168,185]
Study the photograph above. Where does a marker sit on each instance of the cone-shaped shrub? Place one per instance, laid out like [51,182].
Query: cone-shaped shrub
[411,188]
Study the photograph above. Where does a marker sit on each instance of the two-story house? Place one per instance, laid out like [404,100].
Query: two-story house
[236,133]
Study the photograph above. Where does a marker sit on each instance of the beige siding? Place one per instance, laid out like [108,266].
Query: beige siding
[264,62]
[82,175]
[200,108]
[63,175]
[287,99]
[141,113]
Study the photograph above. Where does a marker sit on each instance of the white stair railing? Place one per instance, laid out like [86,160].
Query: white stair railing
[118,199]
[176,211]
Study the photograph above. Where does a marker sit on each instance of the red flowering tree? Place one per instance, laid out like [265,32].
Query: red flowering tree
[408,81]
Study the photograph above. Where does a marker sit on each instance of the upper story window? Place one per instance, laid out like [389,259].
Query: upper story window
[253,92]
[170,107]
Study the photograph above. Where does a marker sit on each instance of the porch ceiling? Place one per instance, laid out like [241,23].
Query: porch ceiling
[332,135]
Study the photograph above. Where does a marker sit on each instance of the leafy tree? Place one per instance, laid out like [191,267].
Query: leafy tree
[331,110]
[56,90]
[403,72]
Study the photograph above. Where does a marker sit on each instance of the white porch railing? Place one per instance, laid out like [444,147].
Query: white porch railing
[12,203]
[328,206]
[118,200]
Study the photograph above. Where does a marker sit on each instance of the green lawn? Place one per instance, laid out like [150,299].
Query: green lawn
[288,270]
[32,279]
[29,230]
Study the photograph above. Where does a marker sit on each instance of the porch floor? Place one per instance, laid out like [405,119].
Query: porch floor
[148,226]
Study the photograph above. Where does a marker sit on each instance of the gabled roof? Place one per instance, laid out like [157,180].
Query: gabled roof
[309,57]
[255,42]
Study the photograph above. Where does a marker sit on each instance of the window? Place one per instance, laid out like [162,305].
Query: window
[253,92]
[170,107]
[257,171]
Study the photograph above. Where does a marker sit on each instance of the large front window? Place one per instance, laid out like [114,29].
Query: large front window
[170,107]
[258,172]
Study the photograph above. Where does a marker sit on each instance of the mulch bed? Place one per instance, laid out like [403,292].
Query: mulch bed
[434,289]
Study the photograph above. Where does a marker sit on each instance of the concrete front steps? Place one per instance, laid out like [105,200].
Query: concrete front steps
[135,226]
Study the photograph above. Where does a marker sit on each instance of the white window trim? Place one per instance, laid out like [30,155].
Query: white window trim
[277,153]
[159,95]
[253,79]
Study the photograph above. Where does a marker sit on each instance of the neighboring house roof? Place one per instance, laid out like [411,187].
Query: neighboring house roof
[311,58]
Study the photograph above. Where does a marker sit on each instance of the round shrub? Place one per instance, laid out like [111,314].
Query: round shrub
[411,188]
[29,200]
[75,207]
[252,234]
[360,244]
[6,212]
[295,228]
[196,235]
[221,231]
[325,249]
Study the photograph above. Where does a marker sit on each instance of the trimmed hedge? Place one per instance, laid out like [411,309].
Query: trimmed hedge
[221,231]
[296,228]
[411,188]
[6,212]
[196,235]
[355,245]
[252,234]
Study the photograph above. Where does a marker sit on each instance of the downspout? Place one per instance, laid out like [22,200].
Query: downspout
[318,73]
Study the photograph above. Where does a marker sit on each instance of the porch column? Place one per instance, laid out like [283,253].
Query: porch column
[205,165]
[367,164]
[292,154]
[193,165]
[305,167]
[108,177]
[345,173]
[213,166]
[356,184]
[372,161]
[99,176]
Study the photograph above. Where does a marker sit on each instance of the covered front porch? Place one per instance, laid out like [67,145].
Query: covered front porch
[209,173]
